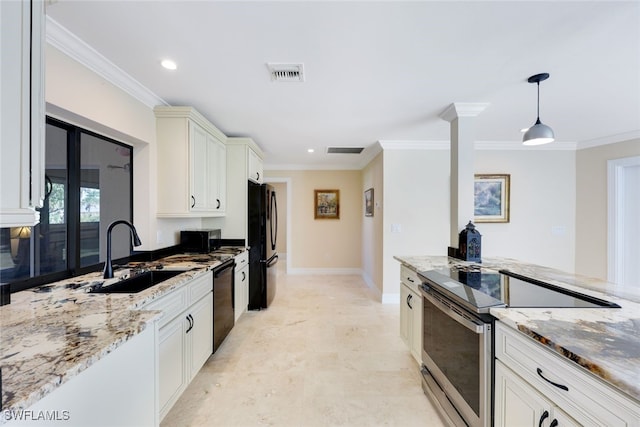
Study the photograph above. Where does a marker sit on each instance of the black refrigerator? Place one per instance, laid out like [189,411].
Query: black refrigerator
[262,238]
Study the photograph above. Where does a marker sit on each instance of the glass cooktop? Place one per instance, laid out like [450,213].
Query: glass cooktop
[481,289]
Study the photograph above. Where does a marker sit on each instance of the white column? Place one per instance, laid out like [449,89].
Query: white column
[461,116]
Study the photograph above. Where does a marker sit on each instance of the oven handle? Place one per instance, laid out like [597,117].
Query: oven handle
[476,327]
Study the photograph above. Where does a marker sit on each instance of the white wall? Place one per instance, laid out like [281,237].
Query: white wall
[542,226]
[416,198]
[543,194]
[372,236]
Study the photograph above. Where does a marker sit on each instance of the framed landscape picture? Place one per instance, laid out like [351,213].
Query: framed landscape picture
[491,198]
[368,202]
[327,204]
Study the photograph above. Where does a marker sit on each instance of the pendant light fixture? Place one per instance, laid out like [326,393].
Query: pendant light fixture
[539,133]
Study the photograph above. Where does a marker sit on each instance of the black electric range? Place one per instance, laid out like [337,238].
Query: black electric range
[478,289]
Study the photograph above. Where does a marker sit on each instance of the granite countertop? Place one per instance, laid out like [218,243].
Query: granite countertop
[51,333]
[604,341]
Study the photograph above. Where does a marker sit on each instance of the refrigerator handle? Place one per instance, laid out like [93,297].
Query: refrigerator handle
[274,220]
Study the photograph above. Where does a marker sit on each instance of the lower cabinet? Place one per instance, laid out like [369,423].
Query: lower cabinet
[519,404]
[537,387]
[186,337]
[241,285]
[411,312]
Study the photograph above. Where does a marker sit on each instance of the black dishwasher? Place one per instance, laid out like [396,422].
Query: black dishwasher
[223,301]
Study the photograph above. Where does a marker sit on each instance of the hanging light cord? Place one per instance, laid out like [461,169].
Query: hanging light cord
[538,111]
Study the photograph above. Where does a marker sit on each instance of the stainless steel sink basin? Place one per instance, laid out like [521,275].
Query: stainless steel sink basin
[137,283]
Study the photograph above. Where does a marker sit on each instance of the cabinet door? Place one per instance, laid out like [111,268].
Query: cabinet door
[173,363]
[199,167]
[218,175]
[22,122]
[405,314]
[201,333]
[516,402]
[415,301]
[255,169]
[241,291]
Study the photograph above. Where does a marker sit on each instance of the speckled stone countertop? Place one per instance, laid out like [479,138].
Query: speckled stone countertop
[51,333]
[604,341]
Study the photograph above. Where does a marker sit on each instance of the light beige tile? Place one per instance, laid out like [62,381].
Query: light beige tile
[326,353]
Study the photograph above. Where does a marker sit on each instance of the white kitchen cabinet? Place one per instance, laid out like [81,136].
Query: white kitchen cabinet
[239,151]
[22,122]
[191,175]
[117,390]
[201,334]
[519,404]
[218,179]
[241,284]
[255,167]
[186,337]
[411,312]
[525,375]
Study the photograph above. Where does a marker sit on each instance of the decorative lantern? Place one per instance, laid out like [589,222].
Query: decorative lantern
[470,243]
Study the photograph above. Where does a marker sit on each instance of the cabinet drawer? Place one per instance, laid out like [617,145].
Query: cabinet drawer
[410,278]
[200,287]
[586,398]
[242,260]
[171,305]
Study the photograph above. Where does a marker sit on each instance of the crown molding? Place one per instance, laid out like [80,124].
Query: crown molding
[611,139]
[463,109]
[74,47]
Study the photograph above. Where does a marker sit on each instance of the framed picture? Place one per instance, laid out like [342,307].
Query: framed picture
[327,204]
[368,202]
[491,198]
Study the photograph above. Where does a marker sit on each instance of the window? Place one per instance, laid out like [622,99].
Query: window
[89,181]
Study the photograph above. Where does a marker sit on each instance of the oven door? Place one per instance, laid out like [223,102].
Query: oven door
[456,355]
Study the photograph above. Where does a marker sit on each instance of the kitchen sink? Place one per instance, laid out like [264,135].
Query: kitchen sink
[137,283]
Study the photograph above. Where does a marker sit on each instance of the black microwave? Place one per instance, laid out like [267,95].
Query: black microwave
[200,241]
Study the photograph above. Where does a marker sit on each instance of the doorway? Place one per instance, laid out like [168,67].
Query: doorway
[623,226]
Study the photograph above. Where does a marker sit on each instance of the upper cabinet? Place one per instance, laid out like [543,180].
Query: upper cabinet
[192,175]
[255,167]
[22,121]
[244,161]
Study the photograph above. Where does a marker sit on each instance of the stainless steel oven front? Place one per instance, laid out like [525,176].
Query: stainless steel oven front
[457,359]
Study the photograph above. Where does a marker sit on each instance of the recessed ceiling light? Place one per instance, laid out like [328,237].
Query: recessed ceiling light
[310,150]
[169,64]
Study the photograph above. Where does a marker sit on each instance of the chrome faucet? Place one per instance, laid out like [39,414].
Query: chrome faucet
[108,268]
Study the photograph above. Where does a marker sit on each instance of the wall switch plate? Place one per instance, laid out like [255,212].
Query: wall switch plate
[396,228]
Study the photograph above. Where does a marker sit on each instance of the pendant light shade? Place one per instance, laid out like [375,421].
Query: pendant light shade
[539,133]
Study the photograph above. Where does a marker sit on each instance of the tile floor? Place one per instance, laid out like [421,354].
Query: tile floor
[325,353]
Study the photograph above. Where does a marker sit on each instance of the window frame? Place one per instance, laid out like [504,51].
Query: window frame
[72,214]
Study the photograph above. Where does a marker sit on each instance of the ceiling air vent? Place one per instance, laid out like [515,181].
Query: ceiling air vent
[344,150]
[286,72]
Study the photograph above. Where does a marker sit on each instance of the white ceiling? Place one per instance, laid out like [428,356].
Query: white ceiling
[378,70]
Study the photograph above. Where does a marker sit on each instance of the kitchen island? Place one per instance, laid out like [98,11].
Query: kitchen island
[603,341]
[52,333]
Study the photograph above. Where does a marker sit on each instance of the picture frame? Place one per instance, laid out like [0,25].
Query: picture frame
[491,195]
[327,204]
[368,202]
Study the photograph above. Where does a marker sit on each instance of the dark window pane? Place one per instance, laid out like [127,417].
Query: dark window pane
[105,184]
